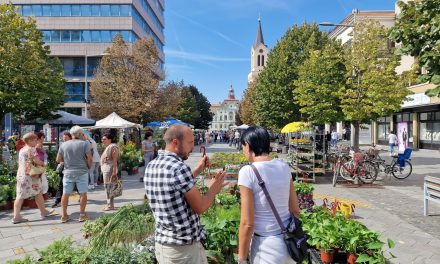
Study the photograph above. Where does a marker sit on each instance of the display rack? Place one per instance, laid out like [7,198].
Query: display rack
[306,161]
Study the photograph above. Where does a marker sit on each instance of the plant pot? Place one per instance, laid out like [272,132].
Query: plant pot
[133,171]
[351,258]
[46,196]
[7,206]
[326,256]
[31,203]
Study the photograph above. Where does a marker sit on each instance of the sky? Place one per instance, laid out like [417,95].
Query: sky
[208,43]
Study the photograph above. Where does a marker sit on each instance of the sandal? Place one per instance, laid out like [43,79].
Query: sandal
[108,208]
[83,218]
[64,219]
[19,220]
[48,213]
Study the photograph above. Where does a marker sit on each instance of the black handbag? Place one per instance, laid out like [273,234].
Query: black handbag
[294,236]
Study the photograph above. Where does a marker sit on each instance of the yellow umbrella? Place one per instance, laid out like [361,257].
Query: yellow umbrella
[294,127]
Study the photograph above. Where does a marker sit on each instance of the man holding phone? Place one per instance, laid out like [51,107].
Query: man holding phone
[175,200]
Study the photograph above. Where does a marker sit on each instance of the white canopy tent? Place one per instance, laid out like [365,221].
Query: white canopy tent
[244,126]
[114,121]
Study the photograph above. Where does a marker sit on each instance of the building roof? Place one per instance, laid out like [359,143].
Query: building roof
[349,20]
[259,40]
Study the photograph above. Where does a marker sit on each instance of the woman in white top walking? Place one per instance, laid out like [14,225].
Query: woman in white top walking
[259,231]
[392,141]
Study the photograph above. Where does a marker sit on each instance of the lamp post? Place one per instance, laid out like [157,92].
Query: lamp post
[86,91]
[356,69]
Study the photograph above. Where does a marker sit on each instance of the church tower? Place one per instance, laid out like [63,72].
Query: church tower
[259,53]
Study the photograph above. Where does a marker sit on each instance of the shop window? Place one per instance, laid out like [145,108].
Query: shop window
[405,117]
[423,116]
[437,115]
[398,117]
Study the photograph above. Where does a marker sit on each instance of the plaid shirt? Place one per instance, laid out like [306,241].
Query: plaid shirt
[166,180]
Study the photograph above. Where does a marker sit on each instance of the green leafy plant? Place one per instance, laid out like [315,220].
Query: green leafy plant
[129,156]
[226,200]
[60,251]
[128,225]
[303,187]
[221,159]
[53,178]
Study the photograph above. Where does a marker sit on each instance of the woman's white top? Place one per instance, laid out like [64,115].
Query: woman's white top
[392,139]
[276,175]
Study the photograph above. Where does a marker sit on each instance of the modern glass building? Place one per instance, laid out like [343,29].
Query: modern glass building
[79,32]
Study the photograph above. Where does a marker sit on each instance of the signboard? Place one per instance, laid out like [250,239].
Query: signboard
[402,136]
[365,134]
[417,99]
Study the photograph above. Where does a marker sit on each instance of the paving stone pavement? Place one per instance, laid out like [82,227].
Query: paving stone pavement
[392,207]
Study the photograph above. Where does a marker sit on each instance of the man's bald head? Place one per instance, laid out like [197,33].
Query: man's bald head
[175,132]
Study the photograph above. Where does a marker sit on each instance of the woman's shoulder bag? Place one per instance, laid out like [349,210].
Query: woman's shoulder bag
[294,237]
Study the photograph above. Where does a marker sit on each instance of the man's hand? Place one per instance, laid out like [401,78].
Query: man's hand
[217,182]
[201,165]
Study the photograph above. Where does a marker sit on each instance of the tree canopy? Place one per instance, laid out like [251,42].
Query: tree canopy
[187,111]
[274,102]
[417,29]
[372,89]
[127,81]
[203,107]
[246,110]
[321,76]
[31,82]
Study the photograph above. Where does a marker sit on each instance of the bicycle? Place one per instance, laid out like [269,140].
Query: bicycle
[400,166]
[353,169]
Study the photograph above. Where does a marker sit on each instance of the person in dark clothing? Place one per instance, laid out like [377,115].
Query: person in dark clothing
[66,137]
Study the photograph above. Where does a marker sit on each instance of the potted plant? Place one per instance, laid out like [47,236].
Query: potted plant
[304,192]
[53,179]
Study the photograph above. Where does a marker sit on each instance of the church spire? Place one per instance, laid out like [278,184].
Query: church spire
[259,39]
[231,95]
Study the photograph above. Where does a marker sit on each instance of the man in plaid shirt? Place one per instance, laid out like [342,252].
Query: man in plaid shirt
[175,200]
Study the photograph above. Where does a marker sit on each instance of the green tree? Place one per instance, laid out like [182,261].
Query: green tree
[246,110]
[127,81]
[187,111]
[169,99]
[203,106]
[321,76]
[417,29]
[31,82]
[372,88]
[274,102]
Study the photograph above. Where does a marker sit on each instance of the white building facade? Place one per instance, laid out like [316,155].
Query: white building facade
[225,114]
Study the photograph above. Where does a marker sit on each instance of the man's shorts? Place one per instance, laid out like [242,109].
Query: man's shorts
[81,182]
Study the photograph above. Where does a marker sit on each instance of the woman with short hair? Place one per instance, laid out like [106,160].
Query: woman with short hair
[29,185]
[148,148]
[259,231]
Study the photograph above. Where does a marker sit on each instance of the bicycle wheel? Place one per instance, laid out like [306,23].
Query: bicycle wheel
[402,172]
[344,170]
[367,171]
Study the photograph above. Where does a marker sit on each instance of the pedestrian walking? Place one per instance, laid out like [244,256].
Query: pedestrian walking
[176,202]
[334,136]
[77,157]
[259,231]
[28,184]
[60,168]
[147,149]
[94,170]
[109,167]
[392,141]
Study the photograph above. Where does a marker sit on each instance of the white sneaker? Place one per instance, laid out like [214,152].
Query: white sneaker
[96,185]
[91,187]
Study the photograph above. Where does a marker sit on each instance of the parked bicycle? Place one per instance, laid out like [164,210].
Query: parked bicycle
[400,166]
[354,169]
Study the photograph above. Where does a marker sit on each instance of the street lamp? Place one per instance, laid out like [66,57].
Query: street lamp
[356,69]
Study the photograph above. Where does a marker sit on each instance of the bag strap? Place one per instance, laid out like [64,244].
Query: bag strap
[266,193]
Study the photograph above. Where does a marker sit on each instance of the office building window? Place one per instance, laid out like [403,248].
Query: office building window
[66,10]
[75,10]
[87,35]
